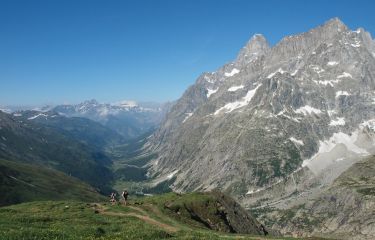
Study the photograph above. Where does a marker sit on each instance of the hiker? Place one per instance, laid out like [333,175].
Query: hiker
[113,198]
[125,196]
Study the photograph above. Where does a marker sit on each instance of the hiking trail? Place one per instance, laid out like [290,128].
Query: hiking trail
[142,215]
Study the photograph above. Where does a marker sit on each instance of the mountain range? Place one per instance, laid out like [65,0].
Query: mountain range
[287,130]
[87,131]
[128,118]
[278,124]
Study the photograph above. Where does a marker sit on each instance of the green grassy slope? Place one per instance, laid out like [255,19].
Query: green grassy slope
[23,182]
[77,220]
[82,129]
[33,143]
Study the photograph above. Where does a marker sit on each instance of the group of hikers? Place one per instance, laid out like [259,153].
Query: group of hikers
[124,198]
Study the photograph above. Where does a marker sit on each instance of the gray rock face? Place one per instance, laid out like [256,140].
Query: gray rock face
[296,110]
[256,46]
[344,211]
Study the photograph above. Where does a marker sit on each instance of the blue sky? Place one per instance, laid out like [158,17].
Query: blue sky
[57,51]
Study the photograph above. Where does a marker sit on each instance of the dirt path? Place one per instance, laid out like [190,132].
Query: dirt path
[103,210]
[138,209]
[147,219]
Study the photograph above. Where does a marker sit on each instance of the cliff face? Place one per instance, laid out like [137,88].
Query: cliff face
[285,117]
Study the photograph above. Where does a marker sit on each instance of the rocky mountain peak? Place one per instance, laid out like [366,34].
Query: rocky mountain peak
[256,46]
[332,32]
[335,24]
[92,102]
[257,43]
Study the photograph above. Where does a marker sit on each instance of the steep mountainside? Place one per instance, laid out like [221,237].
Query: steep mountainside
[29,142]
[23,183]
[127,118]
[345,211]
[276,116]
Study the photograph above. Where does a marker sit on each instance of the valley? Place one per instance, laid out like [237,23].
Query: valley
[277,144]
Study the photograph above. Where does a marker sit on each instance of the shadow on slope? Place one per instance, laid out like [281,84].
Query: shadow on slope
[23,183]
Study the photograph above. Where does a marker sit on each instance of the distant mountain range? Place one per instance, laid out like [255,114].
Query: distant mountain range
[85,130]
[128,118]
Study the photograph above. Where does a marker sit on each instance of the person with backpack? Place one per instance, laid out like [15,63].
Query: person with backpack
[125,195]
[113,198]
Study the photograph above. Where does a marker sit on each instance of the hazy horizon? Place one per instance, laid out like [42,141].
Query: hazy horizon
[15,107]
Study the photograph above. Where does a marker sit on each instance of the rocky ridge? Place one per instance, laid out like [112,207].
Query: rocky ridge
[293,117]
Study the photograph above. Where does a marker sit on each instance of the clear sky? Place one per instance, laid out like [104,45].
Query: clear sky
[57,51]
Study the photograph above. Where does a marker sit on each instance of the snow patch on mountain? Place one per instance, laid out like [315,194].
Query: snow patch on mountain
[299,142]
[254,191]
[232,73]
[280,70]
[283,113]
[294,73]
[126,104]
[208,79]
[164,178]
[327,82]
[211,91]
[6,110]
[326,146]
[342,93]
[331,112]
[187,117]
[306,110]
[171,175]
[229,107]
[36,116]
[332,63]
[317,69]
[357,44]
[235,88]
[345,75]
[337,122]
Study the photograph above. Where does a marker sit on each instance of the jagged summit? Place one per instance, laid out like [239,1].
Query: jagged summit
[335,23]
[90,102]
[256,46]
[257,42]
